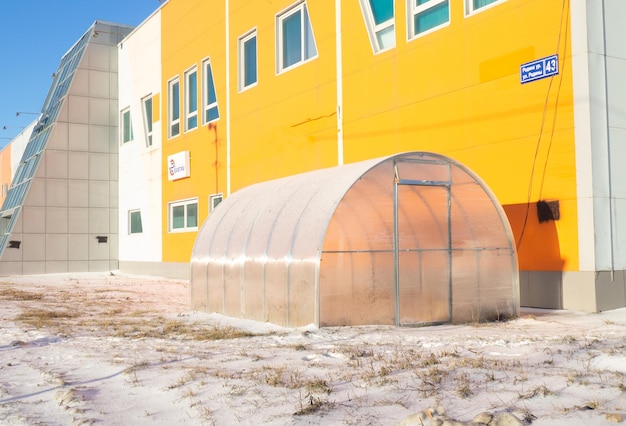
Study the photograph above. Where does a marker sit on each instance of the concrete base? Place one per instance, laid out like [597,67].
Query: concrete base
[580,291]
[181,271]
[541,289]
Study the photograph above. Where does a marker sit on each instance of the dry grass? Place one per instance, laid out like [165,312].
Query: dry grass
[17,295]
[160,328]
[40,318]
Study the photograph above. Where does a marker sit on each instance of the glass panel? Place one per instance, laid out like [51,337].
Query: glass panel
[210,86]
[175,100]
[386,37]
[192,100]
[4,224]
[382,10]
[135,223]
[292,39]
[127,127]
[309,42]
[192,122]
[215,201]
[210,98]
[147,118]
[192,89]
[250,76]
[148,112]
[178,217]
[192,215]
[482,3]
[431,18]
[212,114]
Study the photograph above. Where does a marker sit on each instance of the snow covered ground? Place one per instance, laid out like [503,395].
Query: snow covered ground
[126,350]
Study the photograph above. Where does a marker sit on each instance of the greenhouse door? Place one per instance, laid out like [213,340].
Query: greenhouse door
[422,235]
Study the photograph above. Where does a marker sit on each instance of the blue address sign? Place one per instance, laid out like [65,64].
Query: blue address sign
[541,68]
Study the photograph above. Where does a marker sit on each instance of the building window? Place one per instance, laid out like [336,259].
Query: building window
[183,216]
[134,222]
[209,99]
[214,200]
[473,6]
[191,99]
[147,118]
[427,15]
[247,61]
[5,222]
[174,107]
[295,43]
[127,126]
[379,19]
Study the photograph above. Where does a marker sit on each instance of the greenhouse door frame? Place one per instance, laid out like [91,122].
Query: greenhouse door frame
[444,185]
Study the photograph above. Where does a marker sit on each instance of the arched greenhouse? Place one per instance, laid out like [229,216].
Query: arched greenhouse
[409,239]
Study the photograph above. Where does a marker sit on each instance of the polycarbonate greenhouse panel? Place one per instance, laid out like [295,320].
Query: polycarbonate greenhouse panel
[357,288]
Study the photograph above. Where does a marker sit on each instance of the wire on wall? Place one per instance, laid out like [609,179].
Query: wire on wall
[564,13]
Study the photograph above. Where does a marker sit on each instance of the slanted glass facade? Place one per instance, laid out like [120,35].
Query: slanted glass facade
[37,142]
[57,216]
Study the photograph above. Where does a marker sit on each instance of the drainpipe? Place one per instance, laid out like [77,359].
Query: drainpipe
[227,11]
[339,67]
[608,142]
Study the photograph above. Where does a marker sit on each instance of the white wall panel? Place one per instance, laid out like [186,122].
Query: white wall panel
[99,84]
[99,138]
[78,137]
[78,165]
[139,166]
[57,220]
[78,220]
[80,83]
[56,164]
[78,107]
[78,193]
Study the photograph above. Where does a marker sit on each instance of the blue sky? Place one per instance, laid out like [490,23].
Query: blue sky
[34,35]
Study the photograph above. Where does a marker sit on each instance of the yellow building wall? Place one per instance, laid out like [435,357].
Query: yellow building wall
[287,123]
[455,91]
[193,30]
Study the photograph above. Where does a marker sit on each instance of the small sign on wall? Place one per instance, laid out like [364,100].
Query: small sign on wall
[178,166]
[541,68]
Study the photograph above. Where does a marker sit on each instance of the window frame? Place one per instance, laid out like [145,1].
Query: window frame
[171,122]
[126,137]
[208,106]
[374,29]
[147,120]
[241,42]
[170,216]
[413,10]
[215,200]
[470,10]
[191,116]
[130,222]
[305,25]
